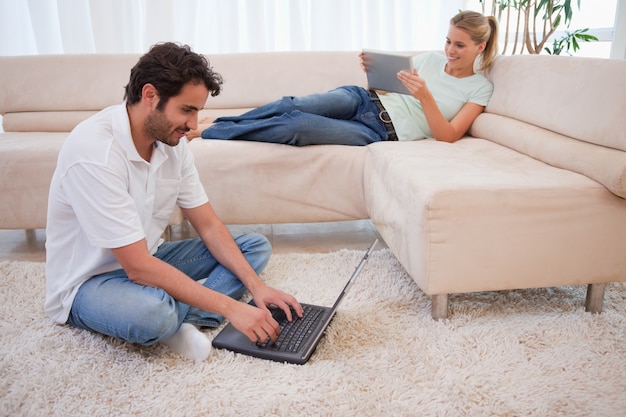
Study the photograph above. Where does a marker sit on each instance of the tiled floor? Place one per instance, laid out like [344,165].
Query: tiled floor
[29,245]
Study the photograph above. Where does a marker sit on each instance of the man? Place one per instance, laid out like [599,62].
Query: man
[119,176]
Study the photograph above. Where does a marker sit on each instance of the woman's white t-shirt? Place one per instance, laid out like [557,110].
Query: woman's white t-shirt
[450,93]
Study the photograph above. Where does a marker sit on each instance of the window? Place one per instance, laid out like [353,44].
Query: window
[596,15]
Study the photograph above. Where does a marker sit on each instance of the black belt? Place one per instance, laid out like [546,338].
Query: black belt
[383,115]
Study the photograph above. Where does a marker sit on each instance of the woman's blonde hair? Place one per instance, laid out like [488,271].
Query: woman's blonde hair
[481,29]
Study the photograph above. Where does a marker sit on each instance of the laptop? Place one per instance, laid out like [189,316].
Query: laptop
[382,69]
[298,338]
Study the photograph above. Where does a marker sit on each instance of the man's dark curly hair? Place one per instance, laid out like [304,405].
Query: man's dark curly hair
[168,67]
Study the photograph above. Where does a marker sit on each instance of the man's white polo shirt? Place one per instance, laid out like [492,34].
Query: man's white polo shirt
[103,195]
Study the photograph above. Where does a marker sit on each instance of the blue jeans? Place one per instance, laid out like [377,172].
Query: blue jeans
[344,116]
[113,305]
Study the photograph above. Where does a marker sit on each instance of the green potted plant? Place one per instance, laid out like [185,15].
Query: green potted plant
[536,21]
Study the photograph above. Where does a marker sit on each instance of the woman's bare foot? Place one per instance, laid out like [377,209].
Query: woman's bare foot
[202,124]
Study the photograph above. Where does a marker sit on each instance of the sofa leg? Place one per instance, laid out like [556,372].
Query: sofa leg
[439,306]
[595,298]
[31,235]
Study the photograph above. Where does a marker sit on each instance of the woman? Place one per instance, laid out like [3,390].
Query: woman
[446,96]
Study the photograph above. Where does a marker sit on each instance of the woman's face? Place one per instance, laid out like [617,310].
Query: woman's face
[461,49]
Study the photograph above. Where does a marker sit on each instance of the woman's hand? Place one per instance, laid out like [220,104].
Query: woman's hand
[415,84]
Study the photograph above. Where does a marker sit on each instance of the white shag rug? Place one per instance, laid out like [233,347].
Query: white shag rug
[511,353]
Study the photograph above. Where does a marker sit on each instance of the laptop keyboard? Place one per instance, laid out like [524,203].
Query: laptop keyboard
[293,333]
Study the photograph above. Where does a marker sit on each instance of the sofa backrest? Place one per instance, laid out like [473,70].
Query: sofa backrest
[253,79]
[52,93]
[565,111]
[583,98]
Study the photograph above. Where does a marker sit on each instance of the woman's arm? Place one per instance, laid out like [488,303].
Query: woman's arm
[442,129]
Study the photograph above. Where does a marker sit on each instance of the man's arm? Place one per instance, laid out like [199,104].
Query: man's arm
[222,246]
[219,241]
[145,269]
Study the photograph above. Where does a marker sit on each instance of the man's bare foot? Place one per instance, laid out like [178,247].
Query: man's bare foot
[202,124]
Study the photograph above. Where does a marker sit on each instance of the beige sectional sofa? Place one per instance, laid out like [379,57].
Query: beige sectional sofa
[535,197]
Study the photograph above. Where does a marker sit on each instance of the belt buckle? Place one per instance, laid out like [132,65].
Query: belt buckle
[382,118]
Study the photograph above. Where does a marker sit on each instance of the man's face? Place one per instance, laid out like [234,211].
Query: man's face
[179,115]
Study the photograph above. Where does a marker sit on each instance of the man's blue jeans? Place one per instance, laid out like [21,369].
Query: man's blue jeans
[113,305]
[344,116]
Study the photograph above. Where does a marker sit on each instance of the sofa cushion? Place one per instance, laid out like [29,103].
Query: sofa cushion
[27,162]
[600,163]
[583,98]
[256,182]
[44,121]
[476,216]
[70,83]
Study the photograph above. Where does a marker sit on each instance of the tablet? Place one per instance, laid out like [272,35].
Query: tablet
[382,68]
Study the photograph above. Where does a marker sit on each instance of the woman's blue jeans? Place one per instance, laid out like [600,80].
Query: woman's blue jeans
[344,116]
[113,305]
